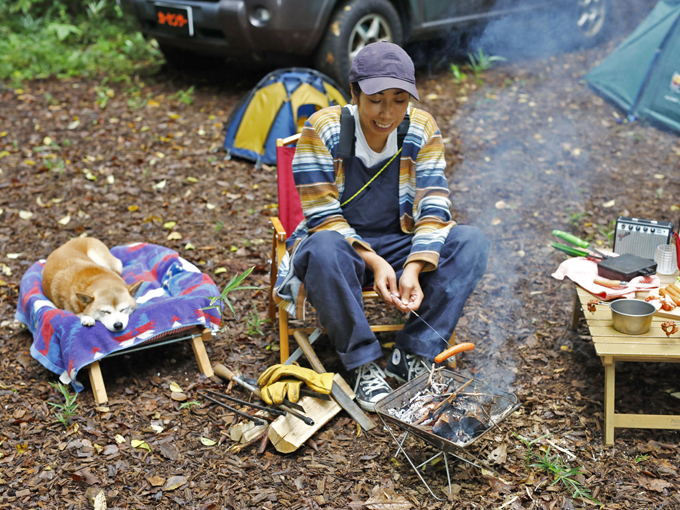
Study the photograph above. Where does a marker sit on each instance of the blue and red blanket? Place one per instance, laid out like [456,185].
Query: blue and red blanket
[171,298]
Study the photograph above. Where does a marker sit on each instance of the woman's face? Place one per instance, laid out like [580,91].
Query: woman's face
[380,114]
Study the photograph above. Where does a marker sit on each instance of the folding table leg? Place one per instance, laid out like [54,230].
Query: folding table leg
[576,312]
[609,385]
[97,383]
[202,356]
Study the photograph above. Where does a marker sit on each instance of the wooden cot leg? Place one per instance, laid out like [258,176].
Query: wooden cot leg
[609,385]
[576,312]
[201,355]
[97,383]
[283,335]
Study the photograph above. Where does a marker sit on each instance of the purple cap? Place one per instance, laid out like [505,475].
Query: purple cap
[382,65]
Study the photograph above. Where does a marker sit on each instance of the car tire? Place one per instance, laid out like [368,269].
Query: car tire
[590,19]
[354,24]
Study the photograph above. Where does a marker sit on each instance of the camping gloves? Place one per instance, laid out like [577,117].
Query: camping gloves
[284,381]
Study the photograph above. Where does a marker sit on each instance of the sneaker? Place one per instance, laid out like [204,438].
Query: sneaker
[369,385]
[405,367]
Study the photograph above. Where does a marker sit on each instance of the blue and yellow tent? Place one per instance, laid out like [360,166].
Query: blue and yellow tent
[277,107]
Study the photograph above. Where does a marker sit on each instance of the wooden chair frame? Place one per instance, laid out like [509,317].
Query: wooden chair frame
[198,335]
[278,252]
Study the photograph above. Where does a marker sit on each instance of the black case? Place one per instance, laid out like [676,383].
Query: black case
[625,267]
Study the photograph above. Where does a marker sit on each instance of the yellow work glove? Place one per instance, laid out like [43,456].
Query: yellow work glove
[322,383]
[275,393]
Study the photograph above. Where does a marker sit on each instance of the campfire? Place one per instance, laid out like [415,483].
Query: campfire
[448,405]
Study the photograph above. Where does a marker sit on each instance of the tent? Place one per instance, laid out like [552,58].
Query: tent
[277,107]
[642,76]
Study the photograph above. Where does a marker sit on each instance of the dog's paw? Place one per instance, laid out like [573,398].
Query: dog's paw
[86,320]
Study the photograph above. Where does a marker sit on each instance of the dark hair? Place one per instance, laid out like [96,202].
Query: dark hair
[356,90]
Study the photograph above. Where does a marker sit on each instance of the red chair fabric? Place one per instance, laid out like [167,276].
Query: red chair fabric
[290,209]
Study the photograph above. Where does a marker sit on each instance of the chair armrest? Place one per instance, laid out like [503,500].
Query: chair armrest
[279,231]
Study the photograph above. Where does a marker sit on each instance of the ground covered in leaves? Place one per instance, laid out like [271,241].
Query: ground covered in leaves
[530,149]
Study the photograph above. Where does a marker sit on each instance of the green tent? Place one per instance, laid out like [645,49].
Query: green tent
[642,75]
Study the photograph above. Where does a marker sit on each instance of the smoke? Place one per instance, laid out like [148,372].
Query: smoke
[527,160]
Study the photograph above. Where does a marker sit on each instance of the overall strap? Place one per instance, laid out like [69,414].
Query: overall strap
[402,130]
[347,139]
[347,142]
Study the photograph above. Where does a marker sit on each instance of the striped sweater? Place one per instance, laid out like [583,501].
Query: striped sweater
[424,206]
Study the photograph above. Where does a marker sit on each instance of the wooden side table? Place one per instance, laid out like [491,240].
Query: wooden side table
[612,346]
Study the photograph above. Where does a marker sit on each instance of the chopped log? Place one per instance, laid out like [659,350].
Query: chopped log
[287,433]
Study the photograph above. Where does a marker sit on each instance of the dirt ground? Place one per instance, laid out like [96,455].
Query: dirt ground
[530,149]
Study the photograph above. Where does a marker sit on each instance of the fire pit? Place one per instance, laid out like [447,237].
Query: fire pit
[447,410]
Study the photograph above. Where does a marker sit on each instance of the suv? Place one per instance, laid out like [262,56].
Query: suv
[329,32]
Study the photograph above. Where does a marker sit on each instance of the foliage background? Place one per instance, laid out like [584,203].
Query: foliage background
[68,38]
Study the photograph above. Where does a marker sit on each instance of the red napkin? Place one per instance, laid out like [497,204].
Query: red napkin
[583,271]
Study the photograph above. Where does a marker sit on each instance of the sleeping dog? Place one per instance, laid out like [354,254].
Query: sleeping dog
[84,278]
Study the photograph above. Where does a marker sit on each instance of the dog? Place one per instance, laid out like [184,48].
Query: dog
[83,277]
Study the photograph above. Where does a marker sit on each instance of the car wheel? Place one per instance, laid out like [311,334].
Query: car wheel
[591,18]
[355,24]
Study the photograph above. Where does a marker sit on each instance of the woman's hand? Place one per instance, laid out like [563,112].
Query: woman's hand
[409,286]
[384,277]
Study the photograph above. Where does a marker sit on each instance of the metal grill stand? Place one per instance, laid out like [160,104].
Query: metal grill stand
[503,404]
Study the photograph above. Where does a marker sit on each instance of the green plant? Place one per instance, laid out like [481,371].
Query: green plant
[184,96]
[254,322]
[481,62]
[576,218]
[555,466]
[233,285]
[68,408]
[189,405]
[641,458]
[609,231]
[458,74]
[104,94]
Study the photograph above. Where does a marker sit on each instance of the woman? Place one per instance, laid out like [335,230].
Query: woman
[376,209]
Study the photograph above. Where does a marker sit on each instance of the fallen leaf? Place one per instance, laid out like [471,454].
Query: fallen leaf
[169,451]
[74,124]
[174,482]
[100,501]
[654,484]
[208,442]
[499,455]
[174,236]
[14,255]
[119,439]
[65,220]
[387,499]
[169,224]
[160,185]
[132,208]
[178,396]
[155,480]
[25,215]
[189,246]
[138,443]
[110,449]
[609,204]
[220,270]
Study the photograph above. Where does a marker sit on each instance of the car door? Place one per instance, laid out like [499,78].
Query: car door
[443,13]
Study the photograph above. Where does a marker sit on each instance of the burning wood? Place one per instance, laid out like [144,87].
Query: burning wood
[443,408]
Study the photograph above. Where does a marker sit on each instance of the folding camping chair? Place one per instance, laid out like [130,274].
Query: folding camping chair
[290,215]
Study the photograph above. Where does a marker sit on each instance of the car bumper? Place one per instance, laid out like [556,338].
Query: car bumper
[231,27]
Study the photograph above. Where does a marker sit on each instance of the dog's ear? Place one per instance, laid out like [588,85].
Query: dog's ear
[85,299]
[134,287]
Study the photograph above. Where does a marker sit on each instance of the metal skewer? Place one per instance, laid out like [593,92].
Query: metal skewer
[424,321]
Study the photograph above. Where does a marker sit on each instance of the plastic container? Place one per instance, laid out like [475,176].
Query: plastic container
[665,258]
